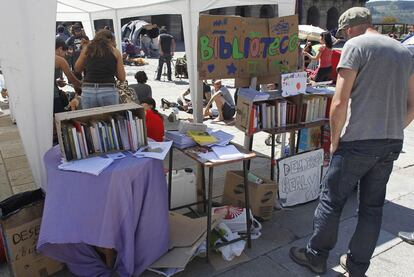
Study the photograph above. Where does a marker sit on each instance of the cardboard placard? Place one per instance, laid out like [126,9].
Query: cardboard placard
[293,83]
[21,232]
[299,177]
[235,47]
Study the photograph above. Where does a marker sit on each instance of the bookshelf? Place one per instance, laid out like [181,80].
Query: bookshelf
[306,111]
[92,132]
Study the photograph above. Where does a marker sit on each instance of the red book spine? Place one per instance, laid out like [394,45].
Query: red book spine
[251,123]
[328,107]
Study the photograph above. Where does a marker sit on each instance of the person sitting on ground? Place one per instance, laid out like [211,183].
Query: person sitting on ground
[141,89]
[324,56]
[60,100]
[224,102]
[153,120]
[185,104]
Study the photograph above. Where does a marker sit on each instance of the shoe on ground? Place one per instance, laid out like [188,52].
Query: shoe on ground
[342,262]
[300,256]
[407,237]
[157,79]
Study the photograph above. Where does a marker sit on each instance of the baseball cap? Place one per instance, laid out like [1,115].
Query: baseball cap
[353,17]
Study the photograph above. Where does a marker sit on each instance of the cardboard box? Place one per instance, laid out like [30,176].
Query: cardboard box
[186,235]
[262,196]
[20,230]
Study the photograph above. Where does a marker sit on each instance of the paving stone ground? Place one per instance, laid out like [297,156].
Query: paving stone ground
[288,227]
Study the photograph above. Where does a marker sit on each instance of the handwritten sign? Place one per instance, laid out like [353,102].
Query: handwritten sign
[300,177]
[293,83]
[235,47]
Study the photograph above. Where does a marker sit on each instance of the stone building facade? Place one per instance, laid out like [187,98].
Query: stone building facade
[325,13]
[322,13]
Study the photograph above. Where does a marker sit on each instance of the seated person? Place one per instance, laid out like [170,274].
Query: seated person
[224,102]
[185,104]
[324,56]
[153,120]
[141,89]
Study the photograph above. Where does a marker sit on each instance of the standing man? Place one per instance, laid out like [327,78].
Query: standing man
[74,44]
[376,76]
[166,45]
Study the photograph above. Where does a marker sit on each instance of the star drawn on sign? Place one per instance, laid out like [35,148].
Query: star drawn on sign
[231,69]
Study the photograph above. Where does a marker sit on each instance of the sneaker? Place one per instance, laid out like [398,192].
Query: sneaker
[300,256]
[342,262]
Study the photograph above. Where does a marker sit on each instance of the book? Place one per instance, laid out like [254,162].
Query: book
[202,137]
[76,143]
[66,144]
[114,135]
[71,142]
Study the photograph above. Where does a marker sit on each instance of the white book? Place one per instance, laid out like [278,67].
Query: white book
[315,108]
[98,137]
[115,135]
[94,138]
[272,116]
[139,131]
[268,117]
[143,134]
[284,110]
[76,142]
[133,130]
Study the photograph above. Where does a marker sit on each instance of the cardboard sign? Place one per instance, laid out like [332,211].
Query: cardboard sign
[21,232]
[300,177]
[235,47]
[293,83]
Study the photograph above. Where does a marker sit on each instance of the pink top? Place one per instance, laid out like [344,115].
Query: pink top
[325,60]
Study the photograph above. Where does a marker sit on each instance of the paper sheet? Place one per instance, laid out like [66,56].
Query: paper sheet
[222,137]
[155,150]
[228,152]
[94,165]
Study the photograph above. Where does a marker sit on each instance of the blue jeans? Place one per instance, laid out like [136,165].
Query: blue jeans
[371,163]
[99,96]
[161,60]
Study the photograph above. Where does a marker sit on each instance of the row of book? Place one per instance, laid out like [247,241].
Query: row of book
[123,131]
[315,108]
[283,113]
[267,116]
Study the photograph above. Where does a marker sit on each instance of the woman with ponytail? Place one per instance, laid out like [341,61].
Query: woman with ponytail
[153,120]
[102,62]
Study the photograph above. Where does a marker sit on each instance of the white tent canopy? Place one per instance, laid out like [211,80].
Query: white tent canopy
[27,55]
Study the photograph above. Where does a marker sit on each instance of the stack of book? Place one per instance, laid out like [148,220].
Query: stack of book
[202,137]
[118,131]
[315,108]
[272,115]
[181,141]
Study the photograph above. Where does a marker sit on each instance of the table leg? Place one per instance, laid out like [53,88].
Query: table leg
[170,163]
[203,184]
[272,159]
[247,204]
[209,207]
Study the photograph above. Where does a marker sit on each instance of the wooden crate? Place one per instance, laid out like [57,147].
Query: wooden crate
[97,114]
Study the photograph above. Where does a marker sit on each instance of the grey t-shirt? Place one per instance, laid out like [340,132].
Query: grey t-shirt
[142,90]
[379,96]
[226,95]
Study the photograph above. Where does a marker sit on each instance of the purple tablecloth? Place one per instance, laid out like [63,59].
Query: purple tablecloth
[124,208]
